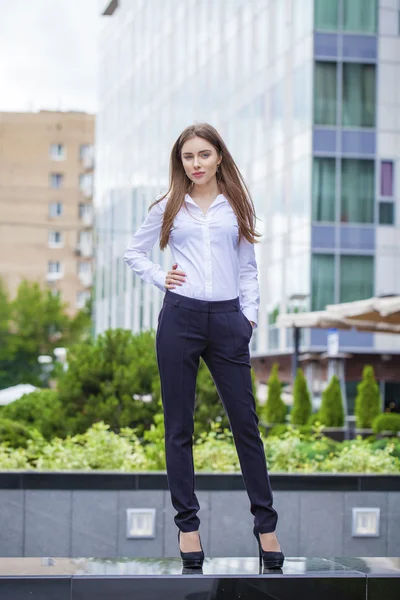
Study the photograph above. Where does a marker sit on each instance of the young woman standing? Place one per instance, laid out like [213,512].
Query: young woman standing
[210,308]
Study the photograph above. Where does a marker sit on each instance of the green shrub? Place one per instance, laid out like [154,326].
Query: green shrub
[386,422]
[301,400]
[214,451]
[282,428]
[278,430]
[314,418]
[331,412]
[368,399]
[41,410]
[357,457]
[14,434]
[386,441]
[274,410]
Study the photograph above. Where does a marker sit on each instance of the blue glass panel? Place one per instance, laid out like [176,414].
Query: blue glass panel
[347,339]
[357,238]
[324,140]
[360,46]
[325,45]
[323,236]
[358,142]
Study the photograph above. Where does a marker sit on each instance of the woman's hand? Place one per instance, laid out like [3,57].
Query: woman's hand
[252,324]
[174,278]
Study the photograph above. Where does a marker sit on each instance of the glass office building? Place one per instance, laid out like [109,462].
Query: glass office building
[307,97]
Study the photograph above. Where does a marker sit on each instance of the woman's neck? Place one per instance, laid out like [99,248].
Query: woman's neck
[209,190]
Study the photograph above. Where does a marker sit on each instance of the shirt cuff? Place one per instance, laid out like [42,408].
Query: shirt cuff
[159,280]
[251,315]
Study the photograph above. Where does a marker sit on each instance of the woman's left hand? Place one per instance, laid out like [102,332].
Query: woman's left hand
[252,324]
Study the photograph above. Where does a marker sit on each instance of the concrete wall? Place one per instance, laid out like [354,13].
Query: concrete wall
[93,523]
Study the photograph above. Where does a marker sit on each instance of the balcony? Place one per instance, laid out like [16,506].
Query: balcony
[51,277]
[87,219]
[86,279]
[86,184]
[87,189]
[84,249]
[88,158]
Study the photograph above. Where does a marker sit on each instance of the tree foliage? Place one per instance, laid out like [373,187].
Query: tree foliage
[103,377]
[34,323]
[41,410]
[368,399]
[331,412]
[302,406]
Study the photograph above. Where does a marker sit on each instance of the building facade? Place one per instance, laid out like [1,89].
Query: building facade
[307,97]
[46,192]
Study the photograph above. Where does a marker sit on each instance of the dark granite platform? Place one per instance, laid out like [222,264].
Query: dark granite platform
[157,480]
[221,579]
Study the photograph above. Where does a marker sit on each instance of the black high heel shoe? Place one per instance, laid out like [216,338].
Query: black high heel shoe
[270,560]
[192,560]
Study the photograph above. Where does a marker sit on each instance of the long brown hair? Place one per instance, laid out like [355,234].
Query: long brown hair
[229,179]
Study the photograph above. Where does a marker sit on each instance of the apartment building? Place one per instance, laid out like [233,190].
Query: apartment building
[46,191]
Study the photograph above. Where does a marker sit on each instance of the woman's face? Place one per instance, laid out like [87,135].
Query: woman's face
[200,160]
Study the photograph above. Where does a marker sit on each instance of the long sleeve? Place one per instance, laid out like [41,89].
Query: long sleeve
[249,292]
[141,244]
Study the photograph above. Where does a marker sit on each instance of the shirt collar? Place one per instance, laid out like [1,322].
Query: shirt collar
[218,200]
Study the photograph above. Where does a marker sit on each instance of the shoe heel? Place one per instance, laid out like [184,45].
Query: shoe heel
[192,560]
[269,560]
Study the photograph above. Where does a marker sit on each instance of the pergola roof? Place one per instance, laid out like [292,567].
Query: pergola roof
[383,310]
[380,315]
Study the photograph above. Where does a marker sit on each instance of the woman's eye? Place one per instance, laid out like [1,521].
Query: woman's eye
[206,155]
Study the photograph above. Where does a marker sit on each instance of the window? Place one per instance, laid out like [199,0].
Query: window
[84,268]
[84,210]
[358,95]
[356,278]
[325,93]
[322,281]
[57,152]
[386,213]
[386,178]
[81,298]
[54,266]
[55,239]
[56,180]
[357,193]
[360,16]
[324,189]
[326,14]
[83,149]
[84,237]
[55,209]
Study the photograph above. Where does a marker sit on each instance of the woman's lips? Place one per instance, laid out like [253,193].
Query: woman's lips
[198,175]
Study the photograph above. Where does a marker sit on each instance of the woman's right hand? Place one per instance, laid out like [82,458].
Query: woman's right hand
[174,278]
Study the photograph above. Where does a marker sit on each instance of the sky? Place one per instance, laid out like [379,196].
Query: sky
[48,54]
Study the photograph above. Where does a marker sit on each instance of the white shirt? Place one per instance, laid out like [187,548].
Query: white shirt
[206,248]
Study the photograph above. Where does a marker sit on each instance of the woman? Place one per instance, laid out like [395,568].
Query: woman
[210,309]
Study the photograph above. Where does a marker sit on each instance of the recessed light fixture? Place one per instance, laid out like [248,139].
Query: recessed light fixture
[140,523]
[365,522]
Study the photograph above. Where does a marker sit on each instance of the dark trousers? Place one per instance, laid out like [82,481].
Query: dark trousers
[218,332]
